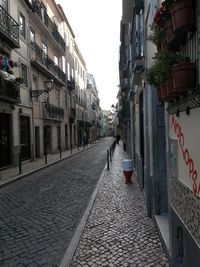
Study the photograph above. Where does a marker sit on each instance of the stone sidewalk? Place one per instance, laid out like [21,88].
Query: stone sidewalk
[9,174]
[115,230]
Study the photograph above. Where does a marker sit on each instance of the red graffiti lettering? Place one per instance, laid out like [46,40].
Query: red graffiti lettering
[191,167]
[194,178]
[181,140]
[176,127]
[186,156]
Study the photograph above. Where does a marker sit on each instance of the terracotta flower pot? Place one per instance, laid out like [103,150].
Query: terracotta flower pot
[173,40]
[183,16]
[165,93]
[184,76]
[162,93]
[169,31]
[170,85]
[159,94]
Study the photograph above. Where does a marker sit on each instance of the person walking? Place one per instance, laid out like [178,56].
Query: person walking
[118,137]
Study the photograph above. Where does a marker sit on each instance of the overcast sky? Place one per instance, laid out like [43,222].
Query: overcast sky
[96,25]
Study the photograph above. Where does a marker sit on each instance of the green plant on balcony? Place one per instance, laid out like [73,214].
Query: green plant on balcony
[157,36]
[161,67]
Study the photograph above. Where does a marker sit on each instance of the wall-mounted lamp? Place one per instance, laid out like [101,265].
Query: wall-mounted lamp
[48,86]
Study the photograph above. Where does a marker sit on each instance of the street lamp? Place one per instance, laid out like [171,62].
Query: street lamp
[48,86]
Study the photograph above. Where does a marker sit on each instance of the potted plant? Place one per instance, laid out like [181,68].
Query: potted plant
[184,74]
[183,16]
[160,70]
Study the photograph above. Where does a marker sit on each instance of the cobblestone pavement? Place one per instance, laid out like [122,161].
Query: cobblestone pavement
[28,166]
[118,232]
[40,213]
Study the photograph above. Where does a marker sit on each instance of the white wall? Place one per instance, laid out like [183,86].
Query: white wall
[186,129]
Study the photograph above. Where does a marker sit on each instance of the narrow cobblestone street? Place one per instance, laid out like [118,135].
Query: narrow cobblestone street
[41,215]
[40,212]
[118,232]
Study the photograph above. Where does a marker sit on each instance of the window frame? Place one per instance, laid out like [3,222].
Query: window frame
[25,78]
[22,25]
[32,32]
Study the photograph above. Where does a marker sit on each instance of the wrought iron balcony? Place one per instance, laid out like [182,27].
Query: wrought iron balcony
[50,25]
[9,29]
[46,65]
[9,91]
[52,112]
[71,84]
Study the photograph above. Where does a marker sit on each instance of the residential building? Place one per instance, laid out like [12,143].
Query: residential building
[47,49]
[93,107]
[15,107]
[104,123]
[69,90]
[164,107]
[81,97]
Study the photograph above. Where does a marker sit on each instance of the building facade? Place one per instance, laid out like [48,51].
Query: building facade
[159,78]
[93,108]
[43,99]
[15,106]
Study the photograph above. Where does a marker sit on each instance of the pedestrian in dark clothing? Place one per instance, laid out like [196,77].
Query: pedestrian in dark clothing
[118,138]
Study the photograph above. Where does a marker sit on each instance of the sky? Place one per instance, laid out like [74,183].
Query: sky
[96,25]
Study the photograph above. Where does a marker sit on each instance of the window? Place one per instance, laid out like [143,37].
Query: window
[32,38]
[68,71]
[58,97]
[44,53]
[66,99]
[22,25]
[35,86]
[24,74]
[63,64]
[56,60]
[66,38]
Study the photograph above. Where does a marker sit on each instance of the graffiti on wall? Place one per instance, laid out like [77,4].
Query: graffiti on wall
[186,155]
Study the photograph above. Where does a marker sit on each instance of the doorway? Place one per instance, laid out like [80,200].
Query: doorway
[66,137]
[25,137]
[5,139]
[47,139]
[58,137]
[37,142]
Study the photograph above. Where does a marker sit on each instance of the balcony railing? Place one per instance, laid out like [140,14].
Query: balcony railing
[9,28]
[48,64]
[9,91]
[52,112]
[51,26]
[71,84]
